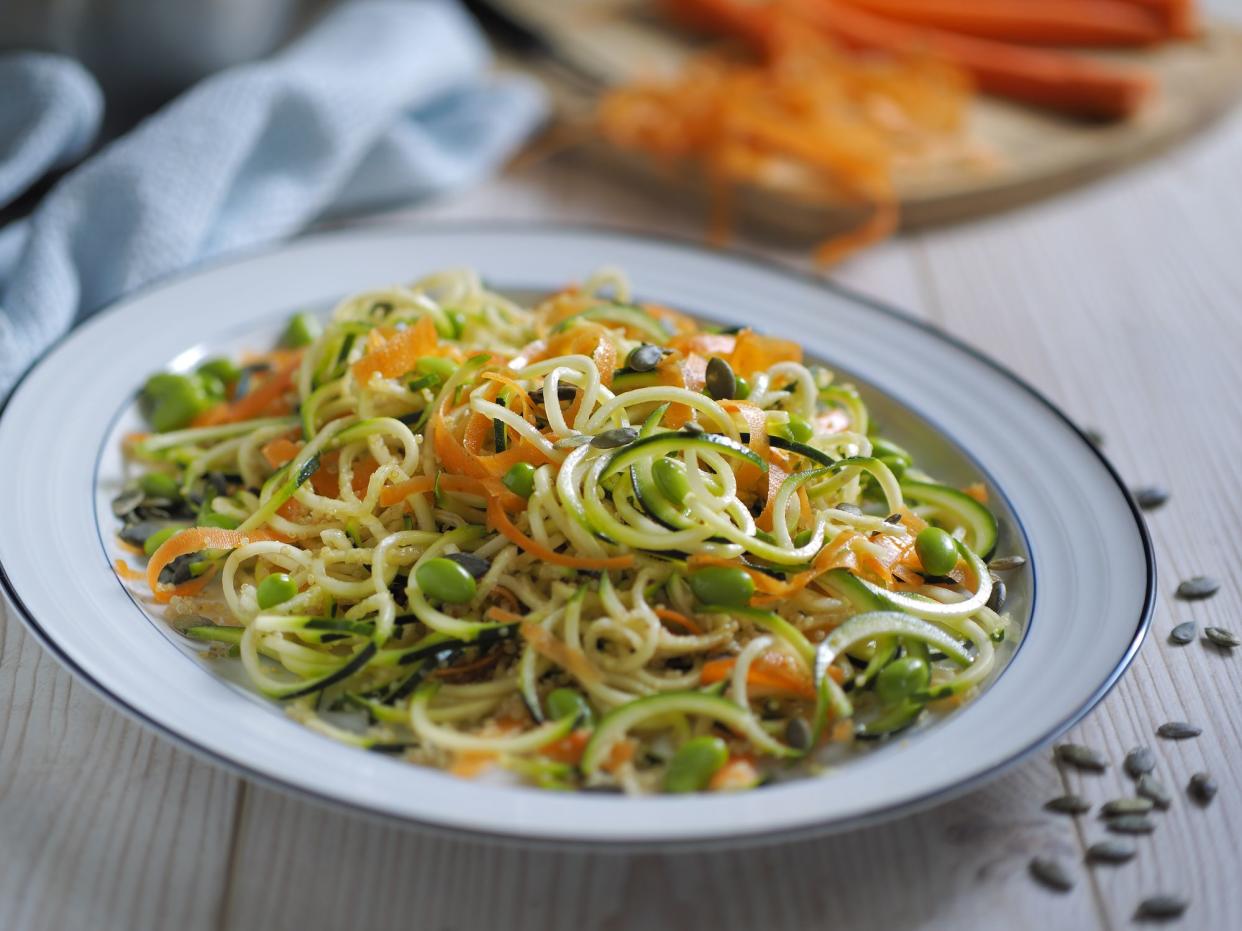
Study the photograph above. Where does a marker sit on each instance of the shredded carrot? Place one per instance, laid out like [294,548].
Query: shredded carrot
[738,773]
[280,451]
[125,572]
[465,669]
[425,484]
[399,354]
[567,657]
[669,616]
[568,749]
[268,399]
[749,476]
[498,520]
[193,540]
[754,352]
[771,673]
[621,753]
[495,613]
[978,491]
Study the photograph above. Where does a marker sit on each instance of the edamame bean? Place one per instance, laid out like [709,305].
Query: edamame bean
[901,679]
[881,448]
[275,589]
[444,580]
[159,485]
[799,430]
[520,479]
[157,539]
[694,764]
[896,465]
[722,585]
[173,400]
[302,330]
[670,478]
[742,391]
[936,550]
[565,702]
[224,369]
[223,521]
[213,388]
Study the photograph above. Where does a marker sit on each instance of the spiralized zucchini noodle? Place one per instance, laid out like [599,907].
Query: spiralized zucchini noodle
[594,543]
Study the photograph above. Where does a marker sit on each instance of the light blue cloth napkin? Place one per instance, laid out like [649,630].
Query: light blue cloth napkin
[383,100]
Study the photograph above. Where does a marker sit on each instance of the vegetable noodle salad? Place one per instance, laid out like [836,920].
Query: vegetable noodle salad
[594,543]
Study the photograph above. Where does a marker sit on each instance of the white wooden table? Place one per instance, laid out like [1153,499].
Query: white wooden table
[1122,302]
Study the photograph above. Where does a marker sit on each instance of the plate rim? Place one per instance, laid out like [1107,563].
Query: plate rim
[763,263]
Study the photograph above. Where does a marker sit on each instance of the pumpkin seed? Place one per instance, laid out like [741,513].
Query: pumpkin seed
[997,600]
[1140,760]
[1150,497]
[1130,824]
[1183,633]
[612,439]
[1151,787]
[1162,906]
[1094,436]
[1052,873]
[1127,806]
[798,734]
[644,358]
[1068,805]
[893,519]
[563,393]
[1224,639]
[1111,851]
[126,501]
[850,509]
[1202,788]
[1200,586]
[719,379]
[1178,730]
[477,566]
[693,426]
[1081,757]
[1007,563]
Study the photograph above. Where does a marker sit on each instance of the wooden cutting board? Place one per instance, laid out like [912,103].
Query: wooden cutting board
[1030,154]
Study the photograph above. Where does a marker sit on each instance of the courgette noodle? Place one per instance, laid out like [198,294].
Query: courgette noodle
[474,504]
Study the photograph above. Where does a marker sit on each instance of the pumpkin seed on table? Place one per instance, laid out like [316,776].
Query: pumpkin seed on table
[1224,639]
[1130,824]
[1197,587]
[1068,805]
[1162,906]
[1052,873]
[1111,851]
[1202,788]
[1081,757]
[1151,787]
[1150,497]
[1140,760]
[1183,633]
[1127,806]
[1178,730]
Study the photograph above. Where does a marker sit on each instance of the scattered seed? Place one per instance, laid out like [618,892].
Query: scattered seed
[573,441]
[612,439]
[1150,497]
[1183,633]
[1130,824]
[850,509]
[1068,805]
[1224,639]
[1052,873]
[1007,563]
[563,393]
[692,426]
[1151,787]
[1094,436]
[1200,586]
[1178,730]
[126,501]
[798,734]
[1162,906]
[997,600]
[893,519]
[1127,806]
[644,358]
[1111,851]
[1140,760]
[719,379]
[477,566]
[1202,788]
[1081,757]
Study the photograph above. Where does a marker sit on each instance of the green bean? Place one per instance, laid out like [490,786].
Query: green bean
[694,764]
[444,580]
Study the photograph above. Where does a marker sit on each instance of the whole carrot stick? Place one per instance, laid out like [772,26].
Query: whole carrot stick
[1033,22]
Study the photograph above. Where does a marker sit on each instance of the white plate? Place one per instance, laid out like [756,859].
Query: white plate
[964,417]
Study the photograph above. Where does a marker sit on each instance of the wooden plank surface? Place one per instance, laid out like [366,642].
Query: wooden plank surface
[1123,303]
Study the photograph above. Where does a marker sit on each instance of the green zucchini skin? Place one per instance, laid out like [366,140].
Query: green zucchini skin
[978,520]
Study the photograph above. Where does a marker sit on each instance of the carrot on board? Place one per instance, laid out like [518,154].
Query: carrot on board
[1029,22]
[1043,77]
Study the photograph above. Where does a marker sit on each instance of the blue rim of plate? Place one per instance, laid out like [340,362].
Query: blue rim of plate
[909,806]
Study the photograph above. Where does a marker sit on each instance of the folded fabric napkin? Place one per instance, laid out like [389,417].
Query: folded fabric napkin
[383,100]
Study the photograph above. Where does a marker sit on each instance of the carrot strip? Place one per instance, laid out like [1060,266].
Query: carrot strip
[280,451]
[265,399]
[125,572]
[1033,22]
[676,617]
[424,484]
[398,354]
[568,749]
[737,774]
[193,540]
[500,614]
[558,651]
[498,520]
